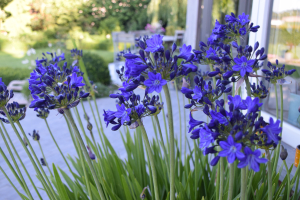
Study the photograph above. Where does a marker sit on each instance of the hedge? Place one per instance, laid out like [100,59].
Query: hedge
[9,74]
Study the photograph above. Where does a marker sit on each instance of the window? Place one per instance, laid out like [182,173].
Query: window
[284,45]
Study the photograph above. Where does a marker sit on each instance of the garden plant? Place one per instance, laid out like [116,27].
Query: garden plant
[235,152]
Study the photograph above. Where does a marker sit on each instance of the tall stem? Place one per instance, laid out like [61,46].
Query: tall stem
[214,78]
[221,178]
[231,181]
[288,179]
[179,110]
[48,184]
[24,185]
[20,160]
[36,158]
[86,155]
[57,145]
[165,124]
[243,186]
[248,86]
[45,158]
[276,97]
[270,192]
[161,139]
[172,142]
[151,159]
[277,151]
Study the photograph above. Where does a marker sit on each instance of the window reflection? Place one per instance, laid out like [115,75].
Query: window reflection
[284,45]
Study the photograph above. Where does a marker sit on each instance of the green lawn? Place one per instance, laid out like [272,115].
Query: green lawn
[8,60]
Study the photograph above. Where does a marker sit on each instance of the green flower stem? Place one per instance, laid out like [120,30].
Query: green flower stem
[196,168]
[243,183]
[172,142]
[86,178]
[48,184]
[86,155]
[238,40]
[247,86]
[179,110]
[72,136]
[281,109]
[162,140]
[218,181]
[45,158]
[221,178]
[165,123]
[185,131]
[270,192]
[99,132]
[24,185]
[20,160]
[34,155]
[10,182]
[277,151]
[214,78]
[276,97]
[11,168]
[57,146]
[151,159]
[98,114]
[288,180]
[231,181]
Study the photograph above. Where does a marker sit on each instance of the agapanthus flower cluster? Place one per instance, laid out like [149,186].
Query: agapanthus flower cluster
[276,74]
[55,87]
[259,90]
[5,95]
[35,135]
[15,112]
[43,113]
[218,51]
[236,132]
[204,93]
[154,65]
[131,108]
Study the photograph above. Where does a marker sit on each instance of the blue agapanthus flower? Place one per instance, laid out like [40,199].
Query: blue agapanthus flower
[193,123]
[272,130]
[237,102]
[54,87]
[130,109]
[206,138]
[155,82]
[185,51]
[5,95]
[155,44]
[123,113]
[252,105]
[252,159]
[231,150]
[243,65]
[243,19]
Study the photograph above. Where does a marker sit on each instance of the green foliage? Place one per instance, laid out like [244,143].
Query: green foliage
[9,74]
[26,91]
[40,44]
[102,90]
[97,68]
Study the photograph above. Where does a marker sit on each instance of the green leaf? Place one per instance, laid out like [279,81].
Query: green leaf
[60,186]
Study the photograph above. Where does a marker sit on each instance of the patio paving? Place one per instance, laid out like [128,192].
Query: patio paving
[61,134]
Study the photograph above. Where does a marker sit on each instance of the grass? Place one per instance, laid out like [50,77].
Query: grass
[10,60]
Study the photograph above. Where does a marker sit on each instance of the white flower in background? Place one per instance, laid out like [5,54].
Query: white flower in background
[49,44]
[32,62]
[58,51]
[24,62]
[31,51]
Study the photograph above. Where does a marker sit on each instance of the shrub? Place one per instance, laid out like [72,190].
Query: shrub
[40,44]
[9,74]
[104,90]
[97,68]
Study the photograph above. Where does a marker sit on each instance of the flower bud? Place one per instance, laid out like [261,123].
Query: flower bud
[284,153]
[89,126]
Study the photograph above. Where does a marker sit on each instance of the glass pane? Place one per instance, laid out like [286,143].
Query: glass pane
[284,45]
